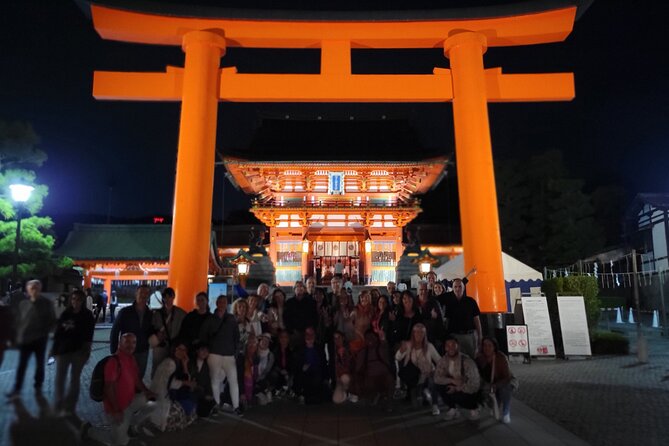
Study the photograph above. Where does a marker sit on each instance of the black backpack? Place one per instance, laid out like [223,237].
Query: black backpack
[97,389]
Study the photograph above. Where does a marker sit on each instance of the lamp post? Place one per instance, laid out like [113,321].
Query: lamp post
[425,268]
[242,261]
[20,194]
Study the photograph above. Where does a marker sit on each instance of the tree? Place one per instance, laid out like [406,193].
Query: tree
[18,153]
[545,217]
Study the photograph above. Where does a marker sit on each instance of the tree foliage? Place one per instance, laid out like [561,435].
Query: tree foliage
[545,216]
[18,154]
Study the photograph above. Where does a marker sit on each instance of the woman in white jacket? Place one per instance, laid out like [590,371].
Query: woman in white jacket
[173,386]
[417,359]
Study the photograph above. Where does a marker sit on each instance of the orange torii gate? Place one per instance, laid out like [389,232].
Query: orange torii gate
[202,83]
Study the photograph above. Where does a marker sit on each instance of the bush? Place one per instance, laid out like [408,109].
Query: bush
[585,286]
[609,343]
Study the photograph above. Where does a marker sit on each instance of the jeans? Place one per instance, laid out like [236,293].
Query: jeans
[220,368]
[117,434]
[74,361]
[38,348]
[503,395]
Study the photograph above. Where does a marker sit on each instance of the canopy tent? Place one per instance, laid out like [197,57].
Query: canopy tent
[514,269]
[518,277]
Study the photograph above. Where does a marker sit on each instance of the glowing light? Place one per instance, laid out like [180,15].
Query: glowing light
[21,192]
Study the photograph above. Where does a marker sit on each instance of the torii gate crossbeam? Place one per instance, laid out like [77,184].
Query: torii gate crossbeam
[202,83]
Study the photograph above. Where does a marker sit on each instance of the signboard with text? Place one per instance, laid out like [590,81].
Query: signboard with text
[540,333]
[517,340]
[574,326]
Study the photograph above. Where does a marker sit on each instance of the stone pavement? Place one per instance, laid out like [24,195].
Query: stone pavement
[604,400]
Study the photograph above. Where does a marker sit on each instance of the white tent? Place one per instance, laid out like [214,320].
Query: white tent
[513,269]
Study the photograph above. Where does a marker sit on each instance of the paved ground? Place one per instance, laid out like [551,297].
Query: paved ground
[604,401]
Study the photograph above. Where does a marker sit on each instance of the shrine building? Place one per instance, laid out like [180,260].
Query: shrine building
[321,213]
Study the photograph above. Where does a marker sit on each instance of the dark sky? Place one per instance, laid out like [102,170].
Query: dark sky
[615,131]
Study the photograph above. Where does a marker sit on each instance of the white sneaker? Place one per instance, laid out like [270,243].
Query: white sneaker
[435,410]
[506,419]
[474,414]
[262,399]
[451,414]
[268,395]
[353,398]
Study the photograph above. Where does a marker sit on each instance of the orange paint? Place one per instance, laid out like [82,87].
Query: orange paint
[479,221]
[202,84]
[193,191]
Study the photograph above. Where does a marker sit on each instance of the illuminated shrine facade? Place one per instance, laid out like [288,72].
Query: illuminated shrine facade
[321,213]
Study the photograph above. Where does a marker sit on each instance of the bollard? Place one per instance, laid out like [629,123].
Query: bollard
[630,317]
[619,316]
[656,319]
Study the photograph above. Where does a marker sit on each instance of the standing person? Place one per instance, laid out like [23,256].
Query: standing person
[342,367]
[339,269]
[457,380]
[431,315]
[125,395]
[362,316]
[103,300]
[496,374]
[166,323]
[310,285]
[72,347]
[221,333]
[135,319]
[113,303]
[391,287]
[464,322]
[333,297]
[299,314]
[34,320]
[405,318]
[275,313]
[90,301]
[263,293]
[192,323]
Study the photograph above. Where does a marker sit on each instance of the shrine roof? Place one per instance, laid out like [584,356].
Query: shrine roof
[345,10]
[336,140]
[117,242]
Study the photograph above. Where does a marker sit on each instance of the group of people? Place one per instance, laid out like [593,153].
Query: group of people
[318,345]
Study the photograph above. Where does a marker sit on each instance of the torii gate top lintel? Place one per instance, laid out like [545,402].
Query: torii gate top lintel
[527,26]
[201,84]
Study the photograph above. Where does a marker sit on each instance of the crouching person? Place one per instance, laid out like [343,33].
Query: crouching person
[457,380]
[175,391]
[126,398]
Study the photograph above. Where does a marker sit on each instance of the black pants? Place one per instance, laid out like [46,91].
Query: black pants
[38,348]
[465,400]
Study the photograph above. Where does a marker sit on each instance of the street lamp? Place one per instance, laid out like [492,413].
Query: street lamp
[425,268]
[20,194]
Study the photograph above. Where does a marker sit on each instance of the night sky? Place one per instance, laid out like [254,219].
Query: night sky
[614,132]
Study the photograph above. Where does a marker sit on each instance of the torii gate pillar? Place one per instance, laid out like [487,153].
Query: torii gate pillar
[479,219]
[193,190]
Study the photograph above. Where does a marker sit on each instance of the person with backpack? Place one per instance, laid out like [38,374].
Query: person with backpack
[71,347]
[136,319]
[124,396]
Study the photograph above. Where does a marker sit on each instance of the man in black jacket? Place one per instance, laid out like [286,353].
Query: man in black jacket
[136,319]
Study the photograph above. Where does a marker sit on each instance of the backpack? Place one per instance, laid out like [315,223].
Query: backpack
[97,388]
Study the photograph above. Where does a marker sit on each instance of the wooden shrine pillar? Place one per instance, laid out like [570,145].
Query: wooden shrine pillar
[479,218]
[193,191]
